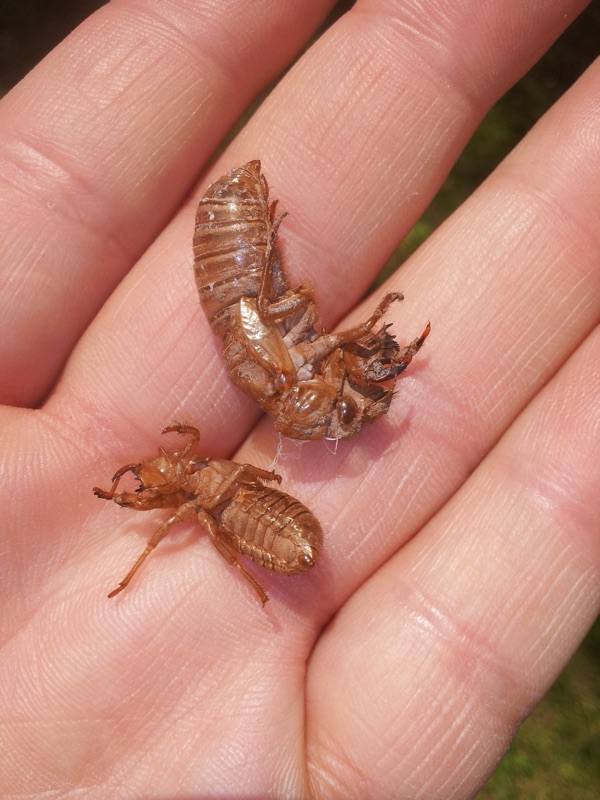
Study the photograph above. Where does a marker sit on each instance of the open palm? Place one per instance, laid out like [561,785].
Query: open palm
[461,559]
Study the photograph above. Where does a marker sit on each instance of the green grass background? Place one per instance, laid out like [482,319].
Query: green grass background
[556,753]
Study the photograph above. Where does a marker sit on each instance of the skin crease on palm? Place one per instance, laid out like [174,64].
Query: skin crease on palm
[461,561]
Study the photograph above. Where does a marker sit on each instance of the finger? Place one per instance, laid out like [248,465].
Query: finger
[450,645]
[359,136]
[98,146]
[496,349]
[130,654]
[512,287]
[179,373]
[377,492]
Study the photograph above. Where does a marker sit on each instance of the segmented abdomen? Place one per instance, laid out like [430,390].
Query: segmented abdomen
[273,529]
[233,232]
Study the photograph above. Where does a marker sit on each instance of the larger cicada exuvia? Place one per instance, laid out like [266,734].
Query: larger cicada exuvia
[314,386]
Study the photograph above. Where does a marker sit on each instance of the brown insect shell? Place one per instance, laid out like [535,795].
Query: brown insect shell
[265,343]
[233,503]
[309,409]
[234,217]
[234,232]
[279,360]
[260,363]
[160,484]
[256,356]
[269,526]
[273,529]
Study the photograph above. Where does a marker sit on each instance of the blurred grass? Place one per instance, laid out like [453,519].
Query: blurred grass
[505,124]
[556,753]
[29,29]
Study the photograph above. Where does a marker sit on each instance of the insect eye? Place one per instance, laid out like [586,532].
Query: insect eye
[306,560]
[347,411]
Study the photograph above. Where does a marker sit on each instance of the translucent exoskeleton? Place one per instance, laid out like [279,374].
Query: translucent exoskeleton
[231,502]
[314,386]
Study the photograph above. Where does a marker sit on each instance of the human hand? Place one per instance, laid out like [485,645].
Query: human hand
[461,558]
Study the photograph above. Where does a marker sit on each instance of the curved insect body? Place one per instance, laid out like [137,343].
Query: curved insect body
[231,501]
[313,386]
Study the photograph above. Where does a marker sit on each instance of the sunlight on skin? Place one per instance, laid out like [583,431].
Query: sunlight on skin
[460,562]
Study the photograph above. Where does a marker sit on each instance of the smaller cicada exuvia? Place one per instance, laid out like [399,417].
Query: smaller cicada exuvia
[232,502]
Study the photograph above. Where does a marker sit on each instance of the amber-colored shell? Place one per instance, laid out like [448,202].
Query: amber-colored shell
[231,241]
[231,501]
[314,386]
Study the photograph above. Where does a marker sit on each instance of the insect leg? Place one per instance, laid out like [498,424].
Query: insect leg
[267,290]
[324,345]
[229,553]
[301,297]
[266,475]
[193,433]
[234,477]
[409,351]
[116,478]
[187,511]
[362,330]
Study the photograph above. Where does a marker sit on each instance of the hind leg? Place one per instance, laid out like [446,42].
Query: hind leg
[187,511]
[229,553]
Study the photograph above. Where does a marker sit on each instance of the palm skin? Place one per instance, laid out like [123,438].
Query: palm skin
[461,559]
